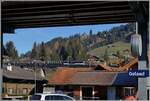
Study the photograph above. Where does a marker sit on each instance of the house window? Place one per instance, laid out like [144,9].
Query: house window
[10,91]
[49,89]
[29,90]
[3,90]
[25,90]
[129,91]
[18,91]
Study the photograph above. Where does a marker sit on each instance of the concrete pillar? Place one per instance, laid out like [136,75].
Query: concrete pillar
[1,83]
[142,63]
[142,17]
[148,78]
[1,76]
[148,88]
[111,93]
[142,91]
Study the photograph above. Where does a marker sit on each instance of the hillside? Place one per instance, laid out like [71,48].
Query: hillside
[112,49]
[78,46]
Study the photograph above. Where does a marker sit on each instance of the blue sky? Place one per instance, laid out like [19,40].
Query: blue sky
[24,38]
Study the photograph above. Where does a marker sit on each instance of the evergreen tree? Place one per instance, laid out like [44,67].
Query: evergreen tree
[11,50]
[76,46]
[3,50]
[63,53]
[42,53]
[91,33]
[34,54]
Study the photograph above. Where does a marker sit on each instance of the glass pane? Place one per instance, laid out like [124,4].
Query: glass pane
[35,97]
[67,98]
[127,92]
[49,98]
[57,97]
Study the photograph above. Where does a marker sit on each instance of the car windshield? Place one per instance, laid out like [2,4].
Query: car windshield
[35,97]
[57,97]
[67,98]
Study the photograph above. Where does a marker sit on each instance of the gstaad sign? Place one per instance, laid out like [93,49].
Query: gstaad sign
[138,73]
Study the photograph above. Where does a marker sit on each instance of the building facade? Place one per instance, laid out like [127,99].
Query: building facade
[99,83]
[20,82]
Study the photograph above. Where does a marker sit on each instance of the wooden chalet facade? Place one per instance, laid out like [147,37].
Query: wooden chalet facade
[20,82]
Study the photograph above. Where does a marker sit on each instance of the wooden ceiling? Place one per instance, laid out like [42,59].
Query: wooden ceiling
[29,14]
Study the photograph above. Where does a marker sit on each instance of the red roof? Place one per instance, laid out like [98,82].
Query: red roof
[63,74]
[89,76]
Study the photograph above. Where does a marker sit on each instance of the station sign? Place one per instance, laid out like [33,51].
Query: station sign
[138,73]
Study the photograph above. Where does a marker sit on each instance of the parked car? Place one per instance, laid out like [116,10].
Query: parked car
[13,98]
[48,96]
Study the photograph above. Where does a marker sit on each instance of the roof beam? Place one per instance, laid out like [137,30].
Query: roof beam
[78,22]
[53,6]
[66,15]
[66,18]
[60,11]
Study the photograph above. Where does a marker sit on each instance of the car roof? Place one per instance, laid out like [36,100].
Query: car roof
[50,94]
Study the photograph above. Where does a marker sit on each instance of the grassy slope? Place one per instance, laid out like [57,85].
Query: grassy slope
[117,46]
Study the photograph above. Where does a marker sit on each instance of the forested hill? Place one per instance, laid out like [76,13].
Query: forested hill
[76,47]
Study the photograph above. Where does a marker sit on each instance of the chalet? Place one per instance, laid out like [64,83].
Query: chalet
[20,82]
[5,58]
[92,83]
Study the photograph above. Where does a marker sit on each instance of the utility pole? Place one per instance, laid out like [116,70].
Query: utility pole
[35,76]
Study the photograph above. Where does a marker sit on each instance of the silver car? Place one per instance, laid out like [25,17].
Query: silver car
[47,96]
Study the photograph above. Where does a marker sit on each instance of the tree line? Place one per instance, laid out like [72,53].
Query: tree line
[10,50]
[74,47]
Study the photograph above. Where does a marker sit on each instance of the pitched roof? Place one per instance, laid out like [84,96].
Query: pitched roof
[74,76]
[93,78]
[63,74]
[20,73]
[126,67]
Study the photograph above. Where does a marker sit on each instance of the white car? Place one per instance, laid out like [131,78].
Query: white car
[47,96]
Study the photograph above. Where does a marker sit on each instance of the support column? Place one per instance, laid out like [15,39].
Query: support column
[142,64]
[1,82]
[1,76]
[148,78]
[142,17]
[142,91]
[111,93]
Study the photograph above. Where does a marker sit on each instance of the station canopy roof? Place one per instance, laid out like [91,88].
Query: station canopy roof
[29,14]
